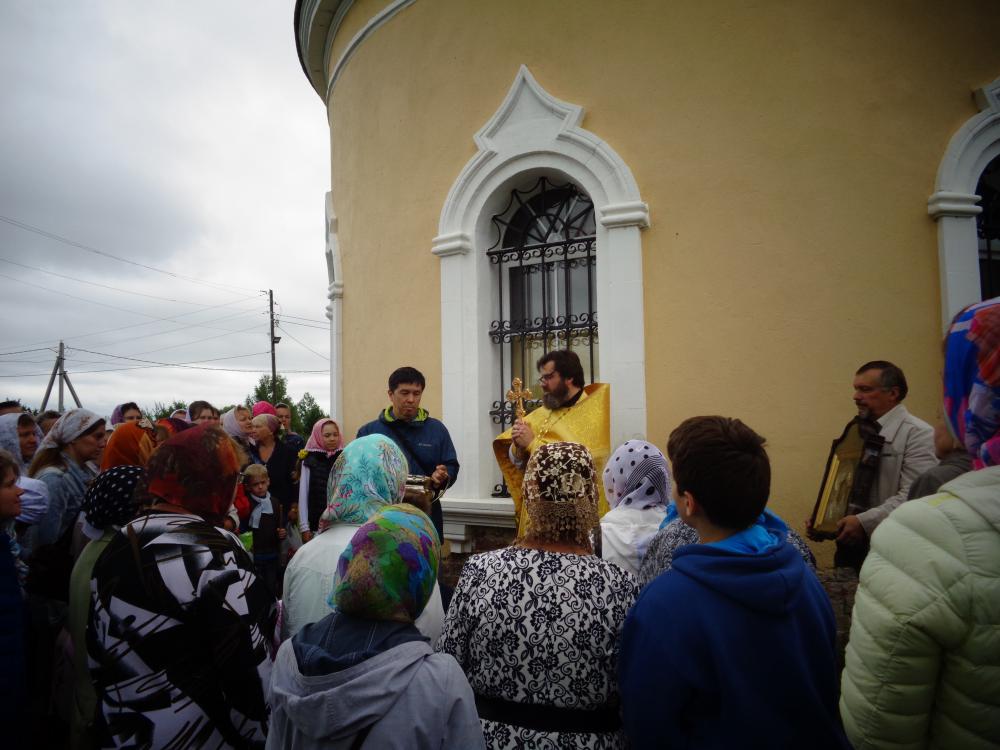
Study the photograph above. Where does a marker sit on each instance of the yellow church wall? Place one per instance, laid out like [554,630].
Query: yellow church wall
[786,152]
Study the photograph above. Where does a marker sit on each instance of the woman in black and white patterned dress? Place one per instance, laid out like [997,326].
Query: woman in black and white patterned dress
[535,626]
[179,624]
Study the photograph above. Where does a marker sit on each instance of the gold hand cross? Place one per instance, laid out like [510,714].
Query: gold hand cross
[516,397]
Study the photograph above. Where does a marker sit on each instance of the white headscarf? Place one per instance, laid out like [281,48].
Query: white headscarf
[69,427]
[636,476]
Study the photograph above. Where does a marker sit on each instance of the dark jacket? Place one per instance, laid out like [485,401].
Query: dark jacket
[280,467]
[738,651]
[13,677]
[319,465]
[424,440]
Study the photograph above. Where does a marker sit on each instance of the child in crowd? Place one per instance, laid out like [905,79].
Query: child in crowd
[293,535]
[265,523]
[737,639]
[316,460]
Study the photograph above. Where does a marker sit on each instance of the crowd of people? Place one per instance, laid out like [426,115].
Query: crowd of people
[214,580]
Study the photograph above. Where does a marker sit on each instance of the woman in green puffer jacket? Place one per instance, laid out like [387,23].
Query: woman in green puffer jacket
[923,661]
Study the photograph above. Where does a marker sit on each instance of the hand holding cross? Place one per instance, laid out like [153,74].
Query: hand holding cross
[516,397]
[521,433]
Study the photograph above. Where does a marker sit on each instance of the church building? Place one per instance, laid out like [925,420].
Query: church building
[723,208]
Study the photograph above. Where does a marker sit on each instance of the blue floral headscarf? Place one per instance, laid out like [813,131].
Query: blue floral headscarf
[972,381]
[367,476]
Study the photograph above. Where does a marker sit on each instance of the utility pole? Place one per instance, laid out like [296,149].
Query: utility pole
[59,371]
[274,340]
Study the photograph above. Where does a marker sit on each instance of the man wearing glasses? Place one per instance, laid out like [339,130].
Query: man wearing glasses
[908,452]
[570,411]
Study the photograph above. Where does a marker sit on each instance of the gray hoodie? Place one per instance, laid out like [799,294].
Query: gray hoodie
[405,697]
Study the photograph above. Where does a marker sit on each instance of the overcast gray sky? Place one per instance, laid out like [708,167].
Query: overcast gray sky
[179,135]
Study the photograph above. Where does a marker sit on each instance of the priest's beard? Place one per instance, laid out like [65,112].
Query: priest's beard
[556,397]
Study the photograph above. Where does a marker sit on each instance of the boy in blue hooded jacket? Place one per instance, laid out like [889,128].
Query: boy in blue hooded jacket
[734,646]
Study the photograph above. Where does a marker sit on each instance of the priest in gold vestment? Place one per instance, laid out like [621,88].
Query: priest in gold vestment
[570,412]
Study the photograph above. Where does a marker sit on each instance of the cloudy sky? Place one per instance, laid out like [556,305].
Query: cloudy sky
[183,138]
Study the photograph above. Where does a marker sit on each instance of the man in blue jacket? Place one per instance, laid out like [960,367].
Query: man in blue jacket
[425,440]
[734,645]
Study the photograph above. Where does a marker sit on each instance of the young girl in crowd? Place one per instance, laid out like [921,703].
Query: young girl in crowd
[316,459]
[265,524]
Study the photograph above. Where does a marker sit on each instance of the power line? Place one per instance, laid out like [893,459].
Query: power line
[146,367]
[305,346]
[28,351]
[306,325]
[204,324]
[58,238]
[94,283]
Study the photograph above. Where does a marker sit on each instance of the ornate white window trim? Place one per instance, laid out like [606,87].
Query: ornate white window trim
[335,293]
[954,202]
[533,133]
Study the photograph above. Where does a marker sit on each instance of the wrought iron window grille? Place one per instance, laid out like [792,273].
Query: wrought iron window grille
[545,256]
[988,230]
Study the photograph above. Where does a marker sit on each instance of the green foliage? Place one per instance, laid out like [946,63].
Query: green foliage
[262,391]
[305,413]
[161,410]
[308,413]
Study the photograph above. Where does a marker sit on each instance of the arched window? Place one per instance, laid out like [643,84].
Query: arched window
[988,230]
[544,261]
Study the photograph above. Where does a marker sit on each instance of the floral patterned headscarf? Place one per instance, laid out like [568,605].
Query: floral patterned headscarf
[972,381]
[367,476]
[388,570]
[560,490]
[196,469]
[637,477]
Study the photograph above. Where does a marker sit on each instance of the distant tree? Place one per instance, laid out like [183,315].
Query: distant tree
[309,412]
[262,391]
[161,410]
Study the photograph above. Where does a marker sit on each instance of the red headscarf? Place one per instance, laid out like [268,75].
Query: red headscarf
[263,407]
[129,445]
[196,469]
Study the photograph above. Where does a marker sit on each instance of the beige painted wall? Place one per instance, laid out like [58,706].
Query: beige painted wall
[786,152]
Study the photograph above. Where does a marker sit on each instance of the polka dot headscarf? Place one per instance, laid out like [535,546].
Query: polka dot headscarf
[110,499]
[637,476]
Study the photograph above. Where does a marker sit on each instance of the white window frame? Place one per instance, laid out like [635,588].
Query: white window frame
[954,202]
[532,133]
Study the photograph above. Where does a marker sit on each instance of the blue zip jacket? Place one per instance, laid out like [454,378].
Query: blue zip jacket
[732,648]
[427,436]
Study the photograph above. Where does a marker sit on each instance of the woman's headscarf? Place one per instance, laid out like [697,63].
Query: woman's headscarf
[9,440]
[263,407]
[637,476]
[110,499]
[196,469]
[367,476]
[972,382]
[272,422]
[129,445]
[69,427]
[315,442]
[172,426]
[117,415]
[232,425]
[560,490]
[388,570]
